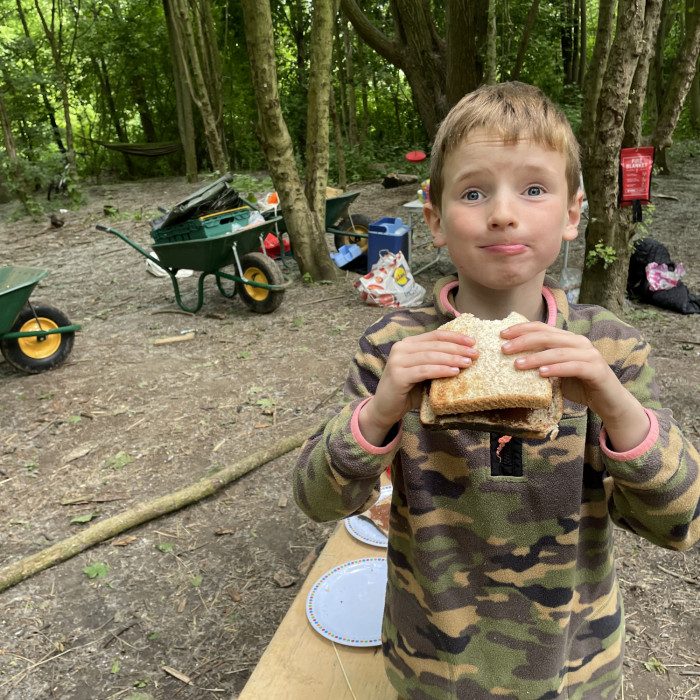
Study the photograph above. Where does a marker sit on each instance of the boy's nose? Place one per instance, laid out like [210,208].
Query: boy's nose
[502,213]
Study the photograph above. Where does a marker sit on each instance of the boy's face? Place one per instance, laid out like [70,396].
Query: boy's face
[505,211]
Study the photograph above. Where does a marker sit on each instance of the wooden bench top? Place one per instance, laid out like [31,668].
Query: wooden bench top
[300,664]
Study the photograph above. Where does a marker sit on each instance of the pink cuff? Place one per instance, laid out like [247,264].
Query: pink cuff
[366,446]
[645,446]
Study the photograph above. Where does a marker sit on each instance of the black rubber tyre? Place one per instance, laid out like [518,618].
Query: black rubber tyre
[359,223]
[34,355]
[258,267]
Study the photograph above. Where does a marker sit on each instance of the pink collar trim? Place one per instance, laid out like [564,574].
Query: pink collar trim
[549,300]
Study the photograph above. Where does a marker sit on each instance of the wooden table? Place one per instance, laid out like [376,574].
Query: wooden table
[300,664]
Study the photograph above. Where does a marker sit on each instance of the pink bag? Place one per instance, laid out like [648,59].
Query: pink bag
[660,277]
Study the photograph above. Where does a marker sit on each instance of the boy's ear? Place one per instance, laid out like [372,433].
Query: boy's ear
[573,217]
[434,220]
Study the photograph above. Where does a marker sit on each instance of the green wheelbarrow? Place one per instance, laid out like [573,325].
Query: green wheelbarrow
[33,337]
[209,244]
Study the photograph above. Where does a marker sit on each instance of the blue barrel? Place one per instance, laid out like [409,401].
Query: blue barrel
[386,234]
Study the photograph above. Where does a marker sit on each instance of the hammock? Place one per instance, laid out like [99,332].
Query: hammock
[149,150]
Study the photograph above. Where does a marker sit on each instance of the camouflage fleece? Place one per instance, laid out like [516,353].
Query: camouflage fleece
[501,573]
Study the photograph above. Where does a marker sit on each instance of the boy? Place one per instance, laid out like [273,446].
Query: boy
[501,579]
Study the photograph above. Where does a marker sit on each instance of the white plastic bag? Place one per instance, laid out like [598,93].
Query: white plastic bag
[390,283]
[157,271]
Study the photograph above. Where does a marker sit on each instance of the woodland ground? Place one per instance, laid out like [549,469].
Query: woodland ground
[124,421]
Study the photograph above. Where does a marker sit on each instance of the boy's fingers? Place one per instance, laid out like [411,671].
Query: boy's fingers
[427,372]
[520,328]
[418,349]
[555,356]
[442,359]
[538,339]
[448,336]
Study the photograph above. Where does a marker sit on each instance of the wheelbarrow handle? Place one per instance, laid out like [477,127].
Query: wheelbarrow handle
[135,246]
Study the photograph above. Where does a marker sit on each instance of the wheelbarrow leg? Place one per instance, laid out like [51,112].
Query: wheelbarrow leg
[219,276]
[178,297]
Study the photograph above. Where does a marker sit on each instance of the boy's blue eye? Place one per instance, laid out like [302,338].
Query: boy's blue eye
[472,196]
[534,191]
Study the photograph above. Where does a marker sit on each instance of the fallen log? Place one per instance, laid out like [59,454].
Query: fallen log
[143,512]
[397,180]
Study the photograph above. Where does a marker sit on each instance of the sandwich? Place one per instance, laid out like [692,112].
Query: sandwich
[491,394]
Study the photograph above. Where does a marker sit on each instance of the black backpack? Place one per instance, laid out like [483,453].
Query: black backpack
[678,298]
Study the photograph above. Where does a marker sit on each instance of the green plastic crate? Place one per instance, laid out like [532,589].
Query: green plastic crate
[208,226]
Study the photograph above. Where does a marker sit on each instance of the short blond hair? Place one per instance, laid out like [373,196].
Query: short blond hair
[512,111]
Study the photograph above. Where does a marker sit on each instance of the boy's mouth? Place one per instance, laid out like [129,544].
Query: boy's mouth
[505,248]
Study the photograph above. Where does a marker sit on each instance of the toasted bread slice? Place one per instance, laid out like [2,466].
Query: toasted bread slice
[538,423]
[492,381]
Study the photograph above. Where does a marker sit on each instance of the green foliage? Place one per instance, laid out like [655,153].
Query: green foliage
[23,178]
[119,39]
[119,461]
[656,666]
[79,519]
[601,253]
[97,570]
[648,216]
[247,184]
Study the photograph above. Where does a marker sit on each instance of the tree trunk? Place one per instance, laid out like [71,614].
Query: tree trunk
[685,67]
[363,128]
[583,46]
[695,102]
[8,138]
[51,113]
[308,240]
[655,84]
[139,93]
[318,109]
[610,226]
[421,53]
[339,150]
[491,63]
[575,51]
[212,64]
[465,33]
[191,56]
[353,138]
[106,87]
[594,78]
[56,43]
[638,90]
[567,39]
[525,39]
[183,100]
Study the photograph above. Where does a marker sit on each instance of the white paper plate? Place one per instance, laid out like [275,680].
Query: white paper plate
[346,604]
[366,532]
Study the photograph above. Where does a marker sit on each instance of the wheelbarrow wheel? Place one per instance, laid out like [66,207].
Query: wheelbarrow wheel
[257,267]
[34,354]
[359,223]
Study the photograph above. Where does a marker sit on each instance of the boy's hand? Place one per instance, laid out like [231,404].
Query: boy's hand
[586,378]
[412,361]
